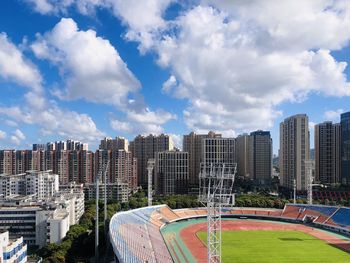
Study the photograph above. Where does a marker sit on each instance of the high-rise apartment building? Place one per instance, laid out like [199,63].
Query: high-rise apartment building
[102,157]
[61,165]
[7,162]
[124,168]
[327,153]
[345,147]
[242,155]
[171,173]
[294,151]
[119,143]
[260,156]
[144,148]
[193,144]
[219,150]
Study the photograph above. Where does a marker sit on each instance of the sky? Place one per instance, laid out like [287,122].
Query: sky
[86,69]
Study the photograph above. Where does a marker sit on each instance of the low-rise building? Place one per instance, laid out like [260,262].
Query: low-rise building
[12,250]
[115,191]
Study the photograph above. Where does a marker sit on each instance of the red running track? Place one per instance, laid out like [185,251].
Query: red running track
[199,250]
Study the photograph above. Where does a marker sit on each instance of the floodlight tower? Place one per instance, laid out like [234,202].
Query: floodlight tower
[294,191]
[309,168]
[215,186]
[97,181]
[150,167]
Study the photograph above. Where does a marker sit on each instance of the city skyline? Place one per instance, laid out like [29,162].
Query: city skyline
[55,88]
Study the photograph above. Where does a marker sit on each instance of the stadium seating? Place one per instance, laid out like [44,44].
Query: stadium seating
[341,218]
[135,234]
[136,238]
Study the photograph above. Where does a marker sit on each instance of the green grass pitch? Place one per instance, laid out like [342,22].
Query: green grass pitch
[276,247]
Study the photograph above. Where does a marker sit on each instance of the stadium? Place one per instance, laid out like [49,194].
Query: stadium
[297,233]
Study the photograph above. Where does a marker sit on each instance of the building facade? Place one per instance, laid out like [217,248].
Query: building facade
[146,147]
[40,184]
[260,157]
[345,147]
[242,156]
[171,173]
[219,150]
[193,144]
[12,250]
[119,143]
[327,153]
[294,151]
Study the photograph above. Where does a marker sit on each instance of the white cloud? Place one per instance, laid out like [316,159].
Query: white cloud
[90,65]
[143,122]
[143,18]
[37,110]
[11,123]
[177,140]
[148,25]
[235,68]
[333,115]
[14,67]
[17,137]
[311,126]
[169,84]
[2,135]
[42,6]
[236,62]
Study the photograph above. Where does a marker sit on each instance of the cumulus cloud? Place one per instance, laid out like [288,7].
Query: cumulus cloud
[177,140]
[37,109]
[90,65]
[333,115]
[17,137]
[236,62]
[143,122]
[14,67]
[93,70]
[2,135]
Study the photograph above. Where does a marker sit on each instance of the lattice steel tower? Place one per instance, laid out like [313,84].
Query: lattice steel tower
[309,168]
[216,183]
[150,167]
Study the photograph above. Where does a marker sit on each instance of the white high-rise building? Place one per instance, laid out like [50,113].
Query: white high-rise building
[294,151]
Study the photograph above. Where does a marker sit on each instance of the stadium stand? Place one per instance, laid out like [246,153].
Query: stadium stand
[341,217]
[135,235]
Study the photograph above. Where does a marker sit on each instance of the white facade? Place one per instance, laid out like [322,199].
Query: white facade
[57,226]
[12,251]
[39,184]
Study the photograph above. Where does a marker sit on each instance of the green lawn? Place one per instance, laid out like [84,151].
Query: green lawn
[276,247]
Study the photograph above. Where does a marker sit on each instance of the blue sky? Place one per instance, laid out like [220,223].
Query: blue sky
[88,69]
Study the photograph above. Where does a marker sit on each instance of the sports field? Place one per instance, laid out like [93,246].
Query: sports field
[257,241]
[276,246]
